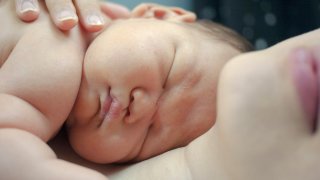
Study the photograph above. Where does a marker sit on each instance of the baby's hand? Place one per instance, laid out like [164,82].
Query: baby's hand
[93,15]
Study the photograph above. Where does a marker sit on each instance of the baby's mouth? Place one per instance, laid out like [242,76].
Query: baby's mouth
[111,109]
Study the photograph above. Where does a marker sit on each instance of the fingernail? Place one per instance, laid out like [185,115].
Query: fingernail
[95,20]
[28,5]
[66,14]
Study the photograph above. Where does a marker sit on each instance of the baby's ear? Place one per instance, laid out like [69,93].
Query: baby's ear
[163,12]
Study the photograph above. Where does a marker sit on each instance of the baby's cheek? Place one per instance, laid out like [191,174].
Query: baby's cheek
[90,144]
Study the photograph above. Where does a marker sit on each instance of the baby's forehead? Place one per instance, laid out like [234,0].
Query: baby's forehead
[129,30]
[136,37]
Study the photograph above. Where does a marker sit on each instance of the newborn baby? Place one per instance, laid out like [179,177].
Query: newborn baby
[146,85]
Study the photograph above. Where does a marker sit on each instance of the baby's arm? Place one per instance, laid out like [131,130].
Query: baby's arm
[23,154]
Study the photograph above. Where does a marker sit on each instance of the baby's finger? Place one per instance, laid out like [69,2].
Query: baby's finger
[90,15]
[63,13]
[27,10]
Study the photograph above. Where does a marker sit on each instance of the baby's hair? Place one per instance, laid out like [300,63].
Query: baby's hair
[225,34]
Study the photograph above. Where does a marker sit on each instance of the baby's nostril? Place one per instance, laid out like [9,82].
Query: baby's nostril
[128,109]
[137,105]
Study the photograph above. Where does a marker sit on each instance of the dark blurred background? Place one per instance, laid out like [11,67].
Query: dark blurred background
[262,22]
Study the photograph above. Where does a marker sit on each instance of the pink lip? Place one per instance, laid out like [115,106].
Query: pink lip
[305,75]
[111,109]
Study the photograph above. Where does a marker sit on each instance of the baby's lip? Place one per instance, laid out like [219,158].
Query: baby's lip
[106,104]
[110,109]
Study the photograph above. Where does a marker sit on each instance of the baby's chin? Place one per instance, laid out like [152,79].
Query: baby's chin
[96,154]
[103,146]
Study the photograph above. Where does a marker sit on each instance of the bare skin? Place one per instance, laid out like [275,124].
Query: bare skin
[264,129]
[35,99]
[42,82]
[93,15]
[151,89]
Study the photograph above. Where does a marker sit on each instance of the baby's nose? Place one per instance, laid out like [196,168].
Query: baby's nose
[142,105]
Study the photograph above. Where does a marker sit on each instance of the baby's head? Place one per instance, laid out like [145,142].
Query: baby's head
[149,84]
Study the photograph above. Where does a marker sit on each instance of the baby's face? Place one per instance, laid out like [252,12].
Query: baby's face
[148,86]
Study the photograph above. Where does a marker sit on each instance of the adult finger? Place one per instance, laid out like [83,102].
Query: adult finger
[91,16]
[27,10]
[63,13]
[114,11]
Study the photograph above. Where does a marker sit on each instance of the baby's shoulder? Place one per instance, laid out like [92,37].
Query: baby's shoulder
[10,31]
[13,31]
[40,66]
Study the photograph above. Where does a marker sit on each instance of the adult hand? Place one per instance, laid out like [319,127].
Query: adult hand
[93,15]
